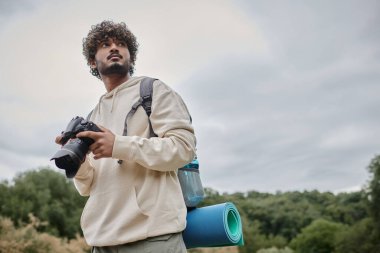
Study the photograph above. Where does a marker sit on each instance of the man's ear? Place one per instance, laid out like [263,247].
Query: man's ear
[93,64]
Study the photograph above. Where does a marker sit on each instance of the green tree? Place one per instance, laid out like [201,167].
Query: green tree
[318,237]
[359,238]
[254,240]
[282,214]
[373,190]
[4,196]
[347,208]
[49,196]
[273,220]
[276,250]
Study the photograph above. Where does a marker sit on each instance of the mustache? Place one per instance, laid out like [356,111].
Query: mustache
[113,55]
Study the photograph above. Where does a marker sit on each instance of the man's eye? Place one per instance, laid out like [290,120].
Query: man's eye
[104,44]
[121,44]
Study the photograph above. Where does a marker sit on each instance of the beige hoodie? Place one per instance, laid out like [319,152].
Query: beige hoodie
[141,197]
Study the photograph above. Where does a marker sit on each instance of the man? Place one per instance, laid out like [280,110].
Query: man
[135,205]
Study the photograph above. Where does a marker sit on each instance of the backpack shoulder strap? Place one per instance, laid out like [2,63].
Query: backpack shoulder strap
[146,94]
[145,100]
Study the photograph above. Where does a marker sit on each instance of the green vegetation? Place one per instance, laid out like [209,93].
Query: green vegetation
[46,194]
[41,211]
[26,239]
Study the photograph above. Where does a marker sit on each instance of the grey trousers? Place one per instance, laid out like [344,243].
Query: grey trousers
[171,243]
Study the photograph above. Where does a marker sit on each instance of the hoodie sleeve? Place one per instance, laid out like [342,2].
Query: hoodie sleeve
[174,145]
[84,177]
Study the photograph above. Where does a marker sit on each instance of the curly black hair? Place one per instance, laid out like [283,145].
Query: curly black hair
[103,31]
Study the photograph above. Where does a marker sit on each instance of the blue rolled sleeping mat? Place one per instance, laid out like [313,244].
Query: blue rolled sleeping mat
[213,226]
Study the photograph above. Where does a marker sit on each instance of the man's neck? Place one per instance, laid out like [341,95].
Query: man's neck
[112,81]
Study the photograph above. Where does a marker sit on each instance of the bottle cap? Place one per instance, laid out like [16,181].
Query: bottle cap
[194,164]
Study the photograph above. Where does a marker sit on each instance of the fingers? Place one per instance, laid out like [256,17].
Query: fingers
[58,139]
[88,134]
[100,151]
[91,134]
[103,142]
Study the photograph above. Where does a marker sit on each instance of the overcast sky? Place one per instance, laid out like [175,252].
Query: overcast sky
[284,95]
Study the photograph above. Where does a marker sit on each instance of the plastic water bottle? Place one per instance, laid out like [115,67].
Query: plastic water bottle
[191,184]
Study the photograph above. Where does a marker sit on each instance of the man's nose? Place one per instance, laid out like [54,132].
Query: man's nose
[114,47]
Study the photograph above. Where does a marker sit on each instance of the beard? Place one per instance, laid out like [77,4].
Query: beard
[115,68]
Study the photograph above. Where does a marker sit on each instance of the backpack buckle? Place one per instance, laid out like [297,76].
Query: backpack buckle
[147,98]
[148,109]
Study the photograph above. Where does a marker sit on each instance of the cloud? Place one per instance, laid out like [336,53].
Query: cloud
[13,163]
[302,118]
[283,94]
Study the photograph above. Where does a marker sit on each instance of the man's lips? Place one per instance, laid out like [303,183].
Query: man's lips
[112,56]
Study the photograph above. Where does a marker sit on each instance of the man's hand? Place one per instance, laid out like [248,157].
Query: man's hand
[103,142]
[58,139]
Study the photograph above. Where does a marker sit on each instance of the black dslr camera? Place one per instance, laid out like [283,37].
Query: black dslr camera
[73,152]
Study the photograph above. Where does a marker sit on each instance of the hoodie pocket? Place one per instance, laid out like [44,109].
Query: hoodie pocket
[114,214]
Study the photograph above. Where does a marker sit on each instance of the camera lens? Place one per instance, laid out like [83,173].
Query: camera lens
[71,156]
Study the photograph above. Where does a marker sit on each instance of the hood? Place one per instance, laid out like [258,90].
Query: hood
[113,93]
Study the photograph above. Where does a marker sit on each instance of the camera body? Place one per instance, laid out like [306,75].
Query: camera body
[74,150]
[77,125]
